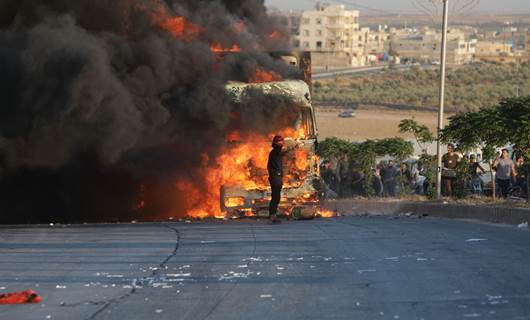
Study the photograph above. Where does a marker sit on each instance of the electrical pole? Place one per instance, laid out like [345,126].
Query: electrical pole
[442,98]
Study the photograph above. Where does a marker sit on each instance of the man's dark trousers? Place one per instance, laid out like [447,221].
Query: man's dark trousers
[276,189]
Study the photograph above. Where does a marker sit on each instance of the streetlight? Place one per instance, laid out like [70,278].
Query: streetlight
[441,99]
[431,8]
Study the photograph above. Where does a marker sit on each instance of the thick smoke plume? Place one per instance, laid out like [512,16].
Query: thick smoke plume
[105,102]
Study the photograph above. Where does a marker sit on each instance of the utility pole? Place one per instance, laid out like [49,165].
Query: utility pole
[442,99]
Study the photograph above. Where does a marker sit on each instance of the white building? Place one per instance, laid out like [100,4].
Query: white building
[425,46]
[332,34]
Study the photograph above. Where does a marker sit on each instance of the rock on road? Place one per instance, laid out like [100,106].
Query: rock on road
[341,268]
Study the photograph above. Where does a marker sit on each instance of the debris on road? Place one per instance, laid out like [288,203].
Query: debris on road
[523,225]
[20,297]
[475,240]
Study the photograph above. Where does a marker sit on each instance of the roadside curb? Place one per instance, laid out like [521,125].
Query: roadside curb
[495,214]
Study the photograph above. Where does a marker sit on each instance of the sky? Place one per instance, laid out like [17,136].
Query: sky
[406,6]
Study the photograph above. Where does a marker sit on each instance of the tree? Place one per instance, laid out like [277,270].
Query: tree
[364,154]
[421,132]
[491,128]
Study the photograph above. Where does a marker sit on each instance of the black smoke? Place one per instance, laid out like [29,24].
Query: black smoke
[100,106]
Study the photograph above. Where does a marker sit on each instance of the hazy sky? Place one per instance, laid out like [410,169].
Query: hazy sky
[405,6]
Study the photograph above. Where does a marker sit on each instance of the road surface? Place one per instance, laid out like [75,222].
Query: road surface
[340,268]
[322,75]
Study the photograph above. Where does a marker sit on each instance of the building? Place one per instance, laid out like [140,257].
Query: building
[332,34]
[494,51]
[425,46]
[374,43]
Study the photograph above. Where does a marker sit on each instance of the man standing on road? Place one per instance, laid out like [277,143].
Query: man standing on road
[389,179]
[449,163]
[275,169]
[344,176]
[505,172]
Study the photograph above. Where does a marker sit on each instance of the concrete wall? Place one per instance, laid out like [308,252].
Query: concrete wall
[495,214]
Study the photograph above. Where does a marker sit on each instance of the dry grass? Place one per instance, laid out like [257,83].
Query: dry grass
[369,123]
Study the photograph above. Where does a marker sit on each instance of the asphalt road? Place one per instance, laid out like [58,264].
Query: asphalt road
[342,268]
[322,75]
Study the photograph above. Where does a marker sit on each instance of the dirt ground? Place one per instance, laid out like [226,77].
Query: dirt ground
[369,123]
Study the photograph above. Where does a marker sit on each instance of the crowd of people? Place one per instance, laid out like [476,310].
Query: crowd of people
[344,178]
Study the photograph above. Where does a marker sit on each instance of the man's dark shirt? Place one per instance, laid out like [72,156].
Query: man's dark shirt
[450,161]
[274,166]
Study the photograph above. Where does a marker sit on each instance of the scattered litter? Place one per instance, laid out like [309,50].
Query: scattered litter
[159,310]
[475,240]
[392,258]
[178,275]
[472,315]
[234,275]
[60,287]
[253,259]
[206,242]
[279,273]
[523,225]
[366,270]
[422,259]
[265,296]
[21,297]
[280,268]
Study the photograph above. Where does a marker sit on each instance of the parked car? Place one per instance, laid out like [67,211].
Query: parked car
[347,114]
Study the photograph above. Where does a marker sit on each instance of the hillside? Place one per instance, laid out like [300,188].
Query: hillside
[468,87]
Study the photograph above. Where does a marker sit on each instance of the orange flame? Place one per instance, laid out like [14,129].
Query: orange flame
[218,48]
[261,76]
[180,28]
[326,213]
[243,164]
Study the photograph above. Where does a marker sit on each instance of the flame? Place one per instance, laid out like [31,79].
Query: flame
[218,48]
[243,163]
[261,76]
[180,28]
[276,35]
[326,213]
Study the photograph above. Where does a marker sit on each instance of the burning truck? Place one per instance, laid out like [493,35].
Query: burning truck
[237,183]
[299,198]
